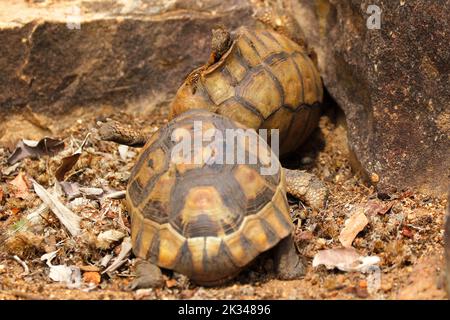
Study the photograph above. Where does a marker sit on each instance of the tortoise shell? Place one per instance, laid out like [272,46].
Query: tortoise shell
[205,219]
[264,80]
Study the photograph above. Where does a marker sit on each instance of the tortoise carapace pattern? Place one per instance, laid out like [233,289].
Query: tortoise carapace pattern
[264,80]
[204,219]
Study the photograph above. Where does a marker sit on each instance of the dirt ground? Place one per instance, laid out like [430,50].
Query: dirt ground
[405,230]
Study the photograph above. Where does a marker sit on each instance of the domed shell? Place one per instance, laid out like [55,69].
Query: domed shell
[204,218]
[264,80]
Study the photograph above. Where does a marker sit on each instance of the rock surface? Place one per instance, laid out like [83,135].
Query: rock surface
[392,84]
[65,53]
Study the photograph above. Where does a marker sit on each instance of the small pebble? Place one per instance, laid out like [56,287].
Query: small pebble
[91,277]
[374,178]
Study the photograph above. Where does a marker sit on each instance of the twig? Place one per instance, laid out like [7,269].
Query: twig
[26,271]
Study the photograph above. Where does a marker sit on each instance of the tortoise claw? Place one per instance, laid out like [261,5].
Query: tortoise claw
[288,264]
[148,275]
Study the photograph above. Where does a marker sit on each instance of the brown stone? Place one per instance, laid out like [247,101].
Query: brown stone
[125,53]
[392,84]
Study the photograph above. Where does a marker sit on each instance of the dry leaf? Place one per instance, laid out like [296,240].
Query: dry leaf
[121,259]
[374,207]
[21,186]
[9,170]
[106,238]
[69,219]
[345,259]
[353,225]
[70,275]
[71,189]
[35,149]
[69,161]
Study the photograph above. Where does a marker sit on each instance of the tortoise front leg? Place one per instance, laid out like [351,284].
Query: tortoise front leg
[148,275]
[117,132]
[306,187]
[288,264]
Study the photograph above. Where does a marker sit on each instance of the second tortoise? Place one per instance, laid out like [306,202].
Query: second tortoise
[259,78]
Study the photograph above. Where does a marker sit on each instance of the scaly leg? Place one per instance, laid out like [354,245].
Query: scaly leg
[148,275]
[117,132]
[306,187]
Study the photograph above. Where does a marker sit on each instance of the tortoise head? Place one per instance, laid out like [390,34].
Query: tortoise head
[220,43]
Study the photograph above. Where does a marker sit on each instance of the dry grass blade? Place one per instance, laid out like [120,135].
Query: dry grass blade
[69,219]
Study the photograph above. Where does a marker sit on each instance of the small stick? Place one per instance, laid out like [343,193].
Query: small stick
[26,271]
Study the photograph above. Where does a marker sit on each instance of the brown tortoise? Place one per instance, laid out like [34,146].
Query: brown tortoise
[208,220]
[259,78]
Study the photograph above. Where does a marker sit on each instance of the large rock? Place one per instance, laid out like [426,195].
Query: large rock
[128,52]
[392,83]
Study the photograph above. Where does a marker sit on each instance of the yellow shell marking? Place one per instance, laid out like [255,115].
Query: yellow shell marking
[206,201]
[250,181]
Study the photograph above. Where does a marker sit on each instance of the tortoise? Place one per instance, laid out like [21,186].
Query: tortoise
[259,78]
[207,219]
